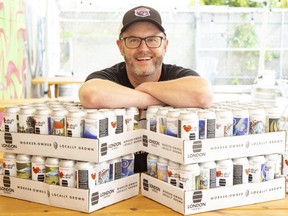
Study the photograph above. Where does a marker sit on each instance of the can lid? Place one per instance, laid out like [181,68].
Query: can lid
[23,157]
[11,109]
[37,158]
[76,113]
[52,161]
[67,163]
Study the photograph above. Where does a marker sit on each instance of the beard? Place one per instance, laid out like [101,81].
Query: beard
[156,63]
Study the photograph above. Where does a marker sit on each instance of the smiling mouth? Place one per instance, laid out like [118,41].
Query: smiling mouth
[144,59]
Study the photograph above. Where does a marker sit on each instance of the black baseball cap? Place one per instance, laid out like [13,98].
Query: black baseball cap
[142,14]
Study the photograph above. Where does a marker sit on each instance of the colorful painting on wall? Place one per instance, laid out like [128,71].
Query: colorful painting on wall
[12,49]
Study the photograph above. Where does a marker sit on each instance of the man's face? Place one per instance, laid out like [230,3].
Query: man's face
[143,61]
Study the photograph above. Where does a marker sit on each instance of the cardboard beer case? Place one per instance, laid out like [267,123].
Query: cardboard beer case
[191,202]
[70,198]
[202,150]
[92,150]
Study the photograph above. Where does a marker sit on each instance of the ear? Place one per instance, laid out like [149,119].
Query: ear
[166,44]
[119,44]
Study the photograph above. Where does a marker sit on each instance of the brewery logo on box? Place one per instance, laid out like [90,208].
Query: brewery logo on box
[104,149]
[94,198]
[145,140]
[197,150]
[55,145]
[197,201]
[150,187]
[6,188]
[8,139]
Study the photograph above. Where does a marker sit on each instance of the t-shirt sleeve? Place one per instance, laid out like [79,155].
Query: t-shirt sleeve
[103,74]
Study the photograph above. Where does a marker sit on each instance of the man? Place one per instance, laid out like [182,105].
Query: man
[143,80]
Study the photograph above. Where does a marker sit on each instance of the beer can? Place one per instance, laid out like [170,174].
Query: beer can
[120,120]
[207,175]
[207,124]
[127,165]
[172,123]
[224,123]
[111,117]
[151,118]
[240,170]
[161,120]
[188,124]
[272,119]
[9,164]
[240,121]
[102,172]
[162,169]
[256,169]
[152,165]
[59,122]
[285,167]
[52,171]
[10,118]
[43,120]
[173,173]
[224,173]
[132,118]
[96,125]
[75,123]
[67,173]
[115,170]
[256,120]
[23,166]
[189,177]
[85,175]
[272,166]
[26,120]
[38,168]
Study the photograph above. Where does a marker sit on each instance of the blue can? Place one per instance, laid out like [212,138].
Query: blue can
[127,165]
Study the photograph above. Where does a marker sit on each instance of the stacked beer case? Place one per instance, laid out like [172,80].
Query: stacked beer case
[110,147]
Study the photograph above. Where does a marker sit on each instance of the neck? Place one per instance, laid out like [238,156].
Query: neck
[137,80]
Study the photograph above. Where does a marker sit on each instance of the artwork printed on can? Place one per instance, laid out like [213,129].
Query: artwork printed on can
[240,126]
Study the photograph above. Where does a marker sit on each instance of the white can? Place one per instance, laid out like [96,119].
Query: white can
[207,124]
[224,173]
[75,123]
[96,125]
[189,177]
[240,170]
[132,118]
[188,125]
[285,168]
[240,121]
[23,166]
[207,175]
[151,118]
[257,120]
[120,120]
[110,115]
[43,120]
[256,169]
[172,123]
[102,172]
[9,164]
[161,120]
[85,175]
[152,165]
[52,171]
[272,166]
[26,120]
[162,169]
[224,123]
[173,173]
[59,121]
[10,116]
[67,173]
[273,115]
[38,168]
[115,170]
[127,165]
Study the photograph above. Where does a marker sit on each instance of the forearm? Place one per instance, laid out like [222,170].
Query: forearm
[183,92]
[99,93]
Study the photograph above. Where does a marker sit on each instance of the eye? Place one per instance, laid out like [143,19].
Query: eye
[133,40]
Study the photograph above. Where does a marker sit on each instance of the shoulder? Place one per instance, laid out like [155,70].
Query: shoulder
[111,73]
[170,71]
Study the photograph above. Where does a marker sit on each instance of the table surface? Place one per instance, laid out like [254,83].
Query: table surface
[137,206]
[58,80]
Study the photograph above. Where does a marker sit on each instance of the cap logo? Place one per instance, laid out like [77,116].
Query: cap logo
[142,12]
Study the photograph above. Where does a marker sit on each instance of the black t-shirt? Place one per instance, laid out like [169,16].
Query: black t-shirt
[118,74]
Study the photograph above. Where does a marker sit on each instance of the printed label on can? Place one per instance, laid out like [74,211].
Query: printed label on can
[173,175]
[10,122]
[127,167]
[152,167]
[162,171]
[52,175]
[188,180]
[240,126]
[207,178]
[115,171]
[188,129]
[172,126]
[67,177]
[26,123]
[224,176]
[43,125]
[59,126]
[240,174]
[9,167]
[23,170]
[85,179]
[75,127]
[256,172]
[38,171]
[103,171]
